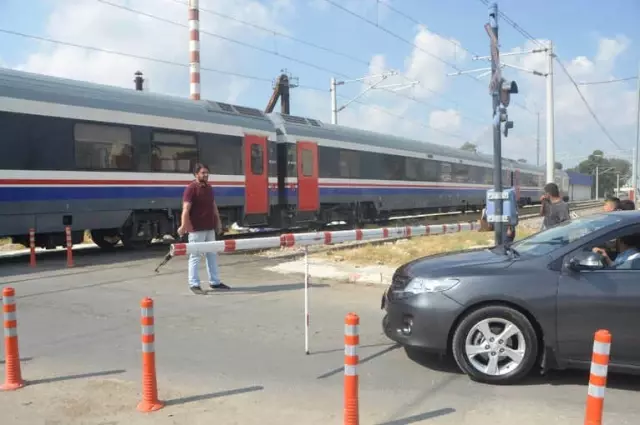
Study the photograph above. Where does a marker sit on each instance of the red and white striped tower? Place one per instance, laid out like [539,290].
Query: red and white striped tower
[194,49]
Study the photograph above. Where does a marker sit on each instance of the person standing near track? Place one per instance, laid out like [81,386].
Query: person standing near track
[201,219]
[552,208]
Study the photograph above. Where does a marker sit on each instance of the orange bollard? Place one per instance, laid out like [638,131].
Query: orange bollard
[351,342]
[598,377]
[150,400]
[32,247]
[67,230]
[13,376]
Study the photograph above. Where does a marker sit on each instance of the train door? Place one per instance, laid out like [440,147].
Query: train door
[308,191]
[256,175]
[516,183]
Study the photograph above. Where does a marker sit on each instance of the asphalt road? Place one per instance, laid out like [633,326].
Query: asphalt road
[238,357]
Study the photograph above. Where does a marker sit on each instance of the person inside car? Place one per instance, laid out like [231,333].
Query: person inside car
[627,251]
[611,204]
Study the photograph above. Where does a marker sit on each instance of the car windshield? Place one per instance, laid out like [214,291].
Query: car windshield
[563,234]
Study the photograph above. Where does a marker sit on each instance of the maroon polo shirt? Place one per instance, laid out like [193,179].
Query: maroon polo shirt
[200,195]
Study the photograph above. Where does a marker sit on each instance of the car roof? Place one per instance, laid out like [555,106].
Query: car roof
[627,216]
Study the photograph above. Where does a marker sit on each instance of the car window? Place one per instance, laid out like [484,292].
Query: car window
[563,234]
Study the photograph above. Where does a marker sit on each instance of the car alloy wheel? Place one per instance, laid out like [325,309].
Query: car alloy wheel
[495,344]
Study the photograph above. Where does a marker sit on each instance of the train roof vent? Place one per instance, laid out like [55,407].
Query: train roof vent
[295,119]
[226,107]
[313,122]
[253,112]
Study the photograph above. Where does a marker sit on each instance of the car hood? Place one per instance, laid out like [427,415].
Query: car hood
[443,263]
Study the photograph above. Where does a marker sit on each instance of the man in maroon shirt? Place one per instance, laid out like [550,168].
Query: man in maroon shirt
[201,219]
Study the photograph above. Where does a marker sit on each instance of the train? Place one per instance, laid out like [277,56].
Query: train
[115,161]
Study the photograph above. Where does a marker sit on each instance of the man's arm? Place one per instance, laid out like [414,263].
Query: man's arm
[216,213]
[185,221]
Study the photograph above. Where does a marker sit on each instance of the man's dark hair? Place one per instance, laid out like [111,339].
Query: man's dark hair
[627,205]
[552,189]
[613,200]
[199,166]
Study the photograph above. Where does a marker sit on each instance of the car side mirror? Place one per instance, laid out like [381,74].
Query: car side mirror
[587,261]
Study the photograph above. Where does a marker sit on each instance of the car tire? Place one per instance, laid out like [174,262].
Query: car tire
[525,339]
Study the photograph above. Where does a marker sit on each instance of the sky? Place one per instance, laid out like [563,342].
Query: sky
[423,43]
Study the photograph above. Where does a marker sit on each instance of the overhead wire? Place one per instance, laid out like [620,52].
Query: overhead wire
[593,114]
[329,50]
[258,48]
[617,80]
[219,71]
[278,33]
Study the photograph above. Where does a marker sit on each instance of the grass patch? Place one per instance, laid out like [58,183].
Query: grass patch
[396,253]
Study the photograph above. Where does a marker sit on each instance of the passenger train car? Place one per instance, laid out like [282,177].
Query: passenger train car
[116,161]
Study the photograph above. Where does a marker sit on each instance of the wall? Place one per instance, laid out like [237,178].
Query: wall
[579,192]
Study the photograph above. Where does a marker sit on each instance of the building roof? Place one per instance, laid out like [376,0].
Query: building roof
[578,179]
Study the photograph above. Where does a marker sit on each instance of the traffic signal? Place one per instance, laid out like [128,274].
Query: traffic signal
[507,88]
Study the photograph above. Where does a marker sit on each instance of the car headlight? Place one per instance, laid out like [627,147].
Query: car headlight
[420,285]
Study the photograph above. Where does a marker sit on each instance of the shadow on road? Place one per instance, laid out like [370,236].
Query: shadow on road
[71,377]
[22,360]
[89,257]
[555,377]
[421,417]
[191,399]
[360,361]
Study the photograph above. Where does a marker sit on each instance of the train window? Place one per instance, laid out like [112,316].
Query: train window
[393,167]
[349,164]
[430,170]
[413,169]
[460,173]
[307,163]
[173,152]
[257,159]
[445,172]
[99,147]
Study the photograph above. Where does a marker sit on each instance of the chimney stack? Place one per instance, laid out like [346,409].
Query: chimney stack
[139,80]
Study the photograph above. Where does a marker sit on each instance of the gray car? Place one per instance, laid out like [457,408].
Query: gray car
[504,310]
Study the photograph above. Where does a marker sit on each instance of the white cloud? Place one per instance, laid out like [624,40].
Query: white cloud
[576,132]
[448,120]
[420,65]
[95,24]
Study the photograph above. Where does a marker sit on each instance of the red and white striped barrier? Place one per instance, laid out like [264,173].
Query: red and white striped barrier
[319,238]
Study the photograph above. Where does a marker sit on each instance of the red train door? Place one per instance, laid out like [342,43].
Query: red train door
[308,191]
[256,175]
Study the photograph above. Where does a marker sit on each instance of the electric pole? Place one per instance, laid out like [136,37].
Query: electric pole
[636,151]
[551,158]
[494,87]
[538,140]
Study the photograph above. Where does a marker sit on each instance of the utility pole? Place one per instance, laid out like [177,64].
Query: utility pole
[538,140]
[551,160]
[636,151]
[597,182]
[383,76]
[494,87]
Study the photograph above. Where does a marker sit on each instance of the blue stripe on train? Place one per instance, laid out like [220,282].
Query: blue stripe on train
[25,194]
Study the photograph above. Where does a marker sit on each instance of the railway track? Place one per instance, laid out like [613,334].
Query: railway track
[159,248]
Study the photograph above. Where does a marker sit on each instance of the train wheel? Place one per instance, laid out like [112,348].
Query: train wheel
[105,239]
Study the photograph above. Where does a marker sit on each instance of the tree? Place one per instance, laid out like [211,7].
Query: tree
[522,160]
[608,170]
[470,147]
[558,165]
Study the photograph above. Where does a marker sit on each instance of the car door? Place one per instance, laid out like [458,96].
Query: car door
[599,299]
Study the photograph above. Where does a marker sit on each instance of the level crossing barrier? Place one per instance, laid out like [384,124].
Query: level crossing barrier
[304,240]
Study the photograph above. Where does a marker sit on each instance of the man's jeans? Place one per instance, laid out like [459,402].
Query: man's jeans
[211,259]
